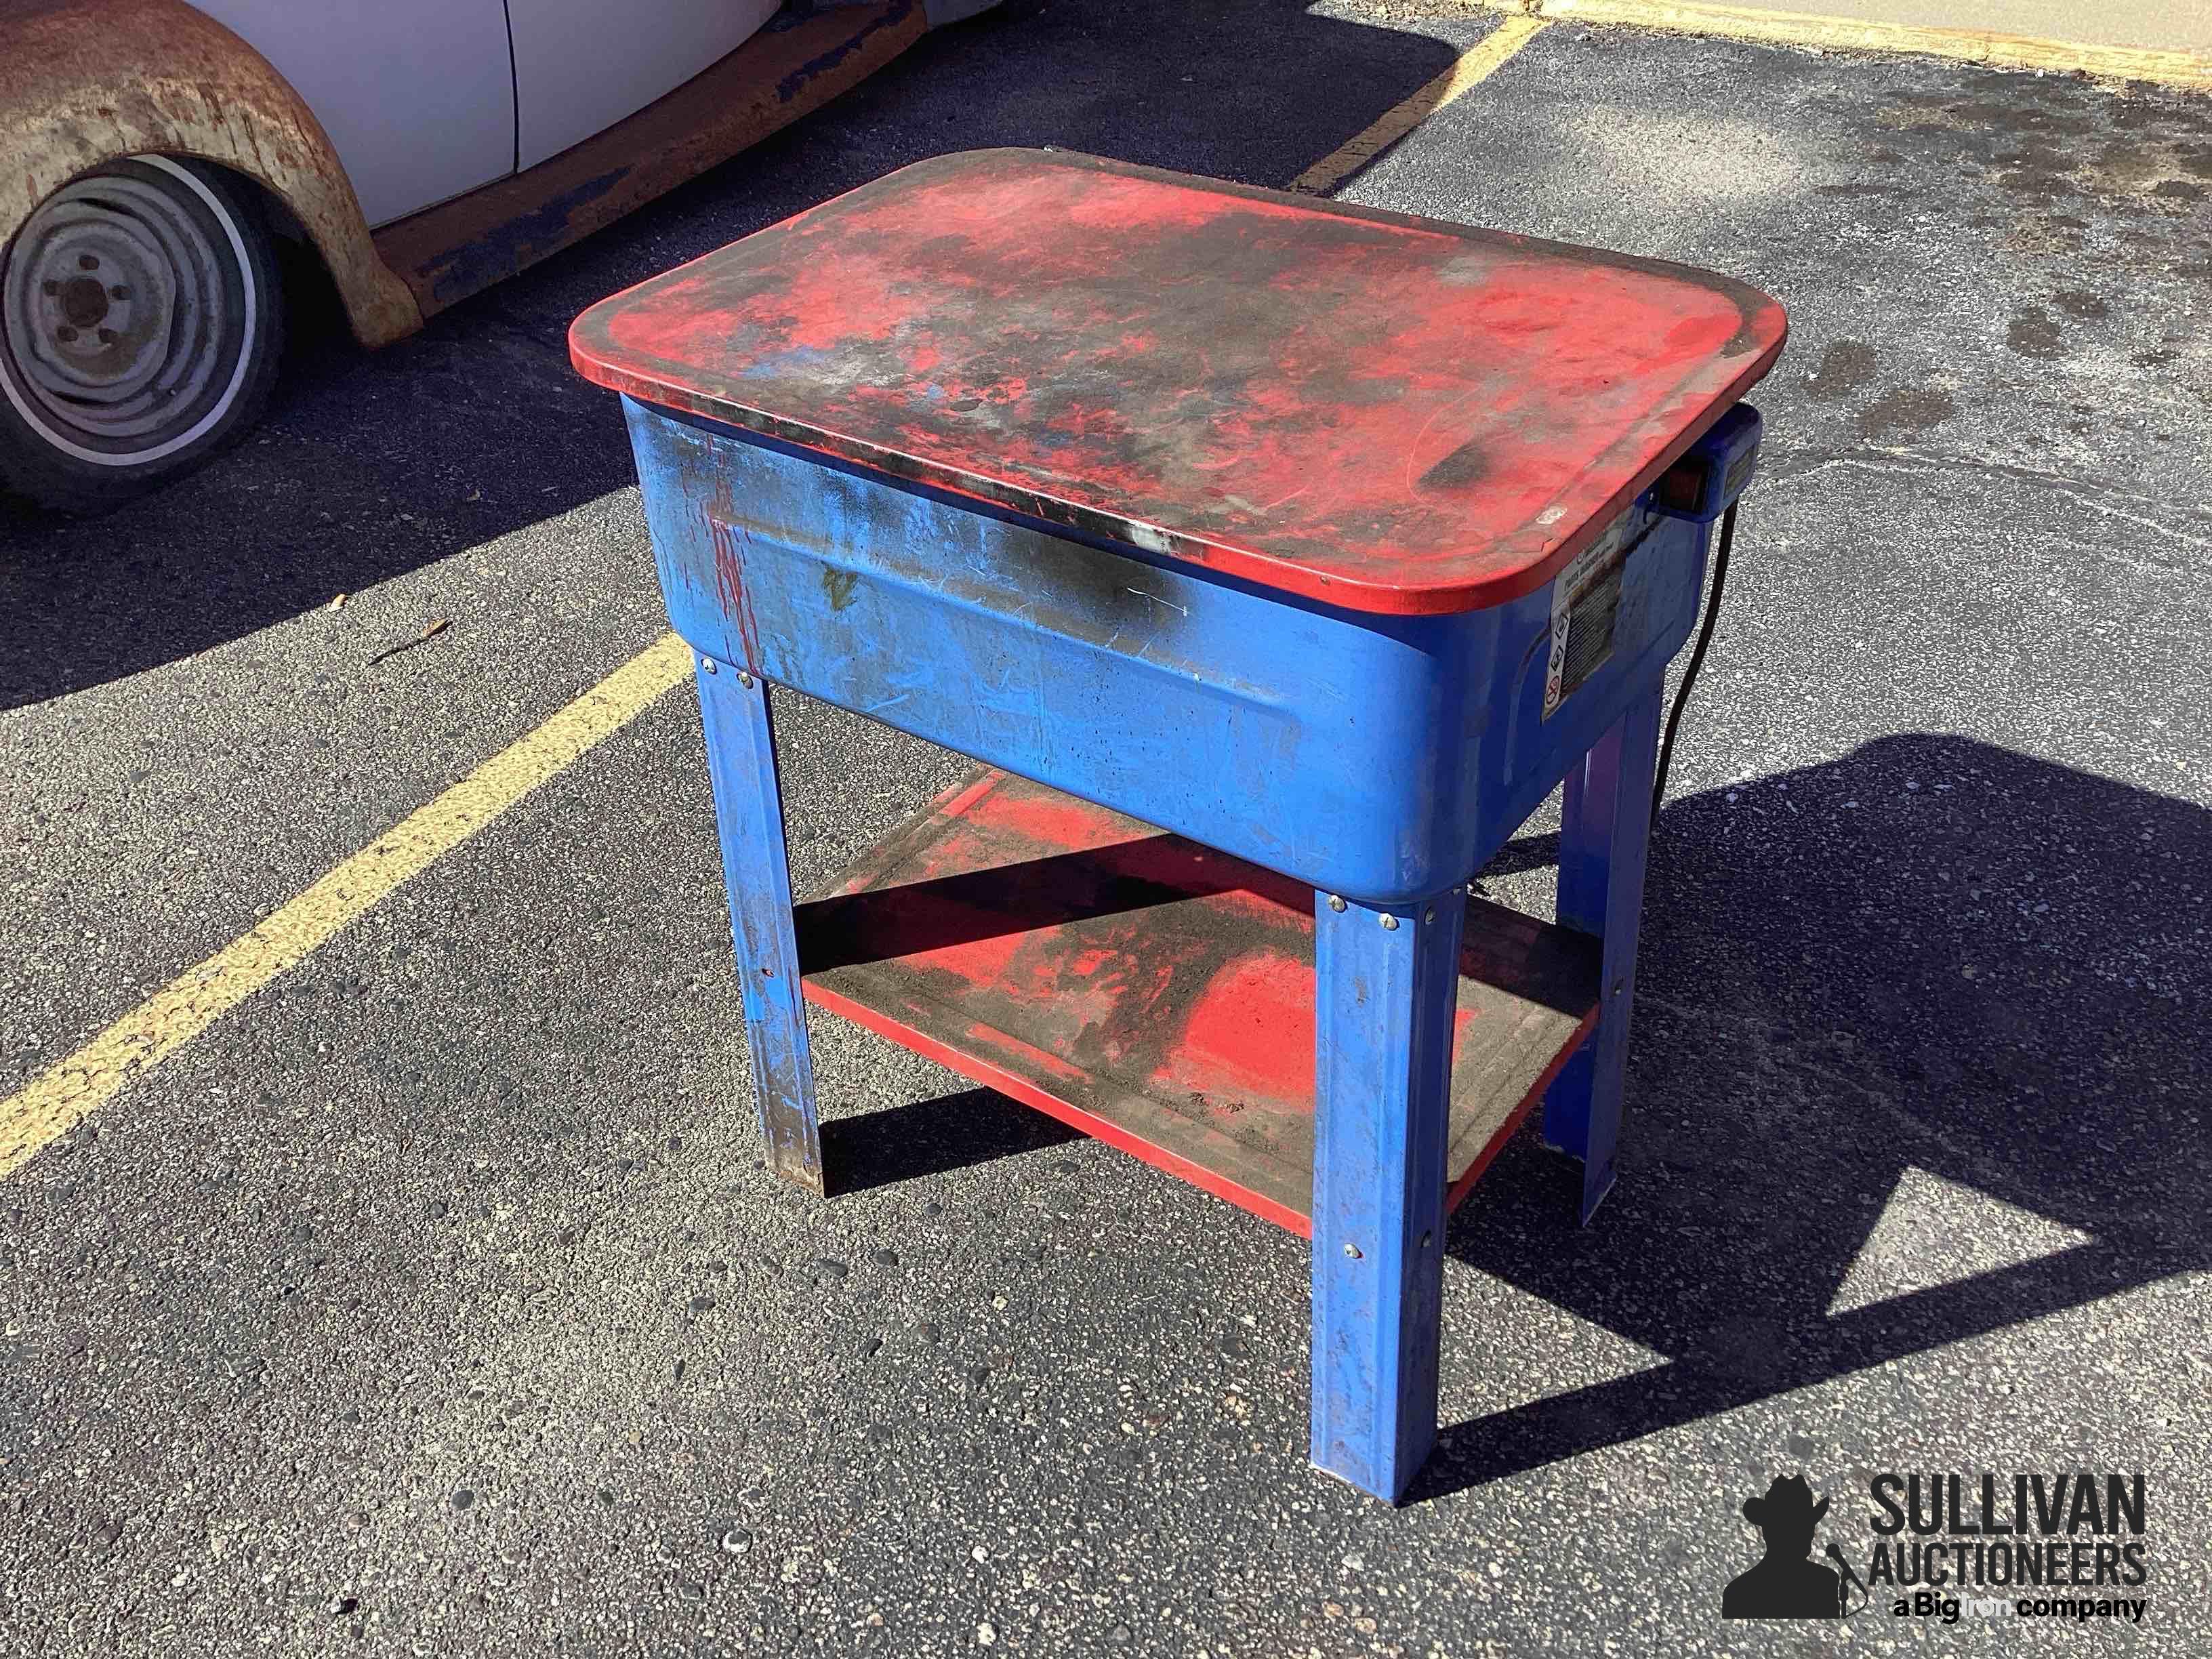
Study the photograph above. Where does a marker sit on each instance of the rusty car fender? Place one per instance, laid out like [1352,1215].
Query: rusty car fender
[87,81]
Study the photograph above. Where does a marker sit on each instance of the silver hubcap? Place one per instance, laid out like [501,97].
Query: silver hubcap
[126,310]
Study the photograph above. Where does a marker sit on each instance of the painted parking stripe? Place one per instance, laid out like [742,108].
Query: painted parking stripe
[68,1092]
[1475,65]
[61,1097]
[2165,66]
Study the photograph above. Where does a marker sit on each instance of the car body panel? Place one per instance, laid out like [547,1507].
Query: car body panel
[451,252]
[580,65]
[416,95]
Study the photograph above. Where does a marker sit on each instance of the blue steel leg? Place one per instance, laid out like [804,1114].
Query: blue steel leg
[741,758]
[1387,984]
[1603,838]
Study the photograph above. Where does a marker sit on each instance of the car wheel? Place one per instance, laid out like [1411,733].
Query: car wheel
[141,320]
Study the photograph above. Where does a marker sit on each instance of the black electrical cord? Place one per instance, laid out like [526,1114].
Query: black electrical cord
[1697,659]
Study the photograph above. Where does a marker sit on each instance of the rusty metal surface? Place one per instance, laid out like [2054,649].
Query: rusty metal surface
[1154,992]
[447,252]
[85,82]
[1396,415]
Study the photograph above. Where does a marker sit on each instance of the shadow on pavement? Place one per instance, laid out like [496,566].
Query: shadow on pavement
[930,1138]
[1933,955]
[372,465]
[1932,985]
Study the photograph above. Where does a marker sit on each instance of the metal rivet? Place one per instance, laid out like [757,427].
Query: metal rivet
[744,679]
[1351,1250]
[1335,903]
[1389,923]
[1429,915]
[1426,1239]
[768,972]
[87,262]
[706,665]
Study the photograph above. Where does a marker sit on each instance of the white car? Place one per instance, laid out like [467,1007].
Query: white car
[152,152]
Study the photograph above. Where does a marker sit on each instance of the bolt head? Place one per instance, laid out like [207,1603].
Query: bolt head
[744,679]
[1429,915]
[707,666]
[1351,1249]
[1335,904]
[1389,923]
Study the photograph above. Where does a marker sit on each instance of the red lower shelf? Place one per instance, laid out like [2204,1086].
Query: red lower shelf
[1154,992]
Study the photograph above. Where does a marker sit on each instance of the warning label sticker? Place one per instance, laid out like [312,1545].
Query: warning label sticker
[1585,599]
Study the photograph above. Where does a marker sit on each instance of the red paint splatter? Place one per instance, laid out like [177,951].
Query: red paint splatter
[1411,416]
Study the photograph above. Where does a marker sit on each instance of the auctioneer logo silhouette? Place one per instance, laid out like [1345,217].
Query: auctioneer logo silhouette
[1784,1585]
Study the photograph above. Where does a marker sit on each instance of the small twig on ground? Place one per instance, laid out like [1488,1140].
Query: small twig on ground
[429,633]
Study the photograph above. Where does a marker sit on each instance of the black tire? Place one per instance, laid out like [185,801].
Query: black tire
[141,317]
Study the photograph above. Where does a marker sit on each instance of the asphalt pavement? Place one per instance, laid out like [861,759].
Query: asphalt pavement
[435,1300]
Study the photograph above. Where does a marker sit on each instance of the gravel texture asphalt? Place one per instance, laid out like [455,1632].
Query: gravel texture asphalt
[435,1300]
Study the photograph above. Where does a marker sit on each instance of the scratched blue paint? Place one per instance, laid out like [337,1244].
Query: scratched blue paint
[1384,998]
[1378,757]
[1605,833]
[756,876]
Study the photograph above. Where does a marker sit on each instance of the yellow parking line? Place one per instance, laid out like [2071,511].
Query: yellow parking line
[60,1098]
[1793,29]
[63,1096]
[1475,65]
